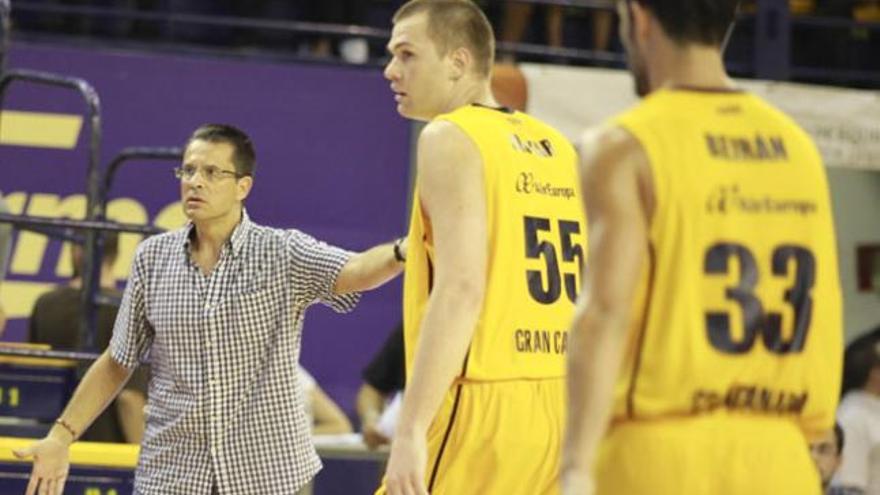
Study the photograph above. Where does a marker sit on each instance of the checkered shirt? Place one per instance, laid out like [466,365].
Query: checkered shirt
[225,404]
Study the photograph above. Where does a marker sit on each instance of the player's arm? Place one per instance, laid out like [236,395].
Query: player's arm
[369,269]
[450,182]
[613,170]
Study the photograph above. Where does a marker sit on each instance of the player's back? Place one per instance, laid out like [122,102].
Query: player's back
[735,349]
[536,247]
[499,429]
[742,307]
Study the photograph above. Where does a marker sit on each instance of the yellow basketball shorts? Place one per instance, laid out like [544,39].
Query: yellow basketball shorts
[712,455]
[497,438]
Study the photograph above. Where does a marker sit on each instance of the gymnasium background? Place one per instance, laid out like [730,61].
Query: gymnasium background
[334,161]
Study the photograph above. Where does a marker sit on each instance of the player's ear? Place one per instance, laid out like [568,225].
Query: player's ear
[641,21]
[461,61]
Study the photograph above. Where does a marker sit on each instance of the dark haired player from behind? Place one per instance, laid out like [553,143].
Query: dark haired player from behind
[706,347]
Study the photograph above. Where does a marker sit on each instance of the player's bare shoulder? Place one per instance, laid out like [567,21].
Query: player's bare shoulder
[609,155]
[444,137]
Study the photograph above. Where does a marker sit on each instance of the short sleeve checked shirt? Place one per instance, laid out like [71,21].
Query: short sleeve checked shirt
[225,405]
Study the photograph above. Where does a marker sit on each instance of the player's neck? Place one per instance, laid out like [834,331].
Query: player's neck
[477,91]
[694,66]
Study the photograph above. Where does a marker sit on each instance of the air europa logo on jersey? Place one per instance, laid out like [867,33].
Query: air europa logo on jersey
[730,199]
[526,184]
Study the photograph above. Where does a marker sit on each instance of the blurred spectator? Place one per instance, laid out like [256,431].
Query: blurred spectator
[353,50]
[384,377]
[802,7]
[516,20]
[54,321]
[867,11]
[5,247]
[603,24]
[859,415]
[326,416]
[827,453]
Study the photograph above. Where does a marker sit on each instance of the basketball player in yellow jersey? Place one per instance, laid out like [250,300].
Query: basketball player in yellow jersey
[496,241]
[706,347]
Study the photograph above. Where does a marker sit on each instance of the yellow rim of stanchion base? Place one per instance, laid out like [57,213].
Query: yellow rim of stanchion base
[34,361]
[110,455]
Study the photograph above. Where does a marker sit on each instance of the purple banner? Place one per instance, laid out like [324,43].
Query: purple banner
[332,161]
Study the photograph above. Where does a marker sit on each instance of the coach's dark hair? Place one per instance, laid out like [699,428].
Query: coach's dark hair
[861,356]
[244,157]
[694,21]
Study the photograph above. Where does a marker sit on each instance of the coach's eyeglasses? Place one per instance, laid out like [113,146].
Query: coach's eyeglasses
[209,172]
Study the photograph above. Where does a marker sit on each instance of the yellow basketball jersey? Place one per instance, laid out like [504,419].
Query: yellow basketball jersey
[742,305]
[537,245]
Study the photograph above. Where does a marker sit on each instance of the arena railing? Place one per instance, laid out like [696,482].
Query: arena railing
[171,19]
[770,57]
[97,189]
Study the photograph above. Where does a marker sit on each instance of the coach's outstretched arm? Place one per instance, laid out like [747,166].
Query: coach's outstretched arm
[98,387]
[618,197]
[371,268]
[450,184]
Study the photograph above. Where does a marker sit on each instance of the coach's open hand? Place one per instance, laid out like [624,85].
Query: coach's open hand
[51,465]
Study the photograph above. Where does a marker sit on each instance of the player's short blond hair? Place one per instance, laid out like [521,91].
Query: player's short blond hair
[454,24]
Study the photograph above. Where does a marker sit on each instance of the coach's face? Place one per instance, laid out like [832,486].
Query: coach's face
[210,188]
[421,78]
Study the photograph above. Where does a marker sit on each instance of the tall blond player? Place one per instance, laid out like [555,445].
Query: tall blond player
[495,249]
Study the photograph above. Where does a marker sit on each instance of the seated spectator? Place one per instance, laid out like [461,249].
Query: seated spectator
[827,454]
[54,321]
[867,11]
[516,20]
[353,12]
[859,415]
[327,418]
[383,378]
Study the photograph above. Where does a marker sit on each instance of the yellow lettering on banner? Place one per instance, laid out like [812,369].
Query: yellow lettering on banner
[30,247]
[19,297]
[10,395]
[40,129]
[29,251]
[15,201]
[171,217]
[126,210]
